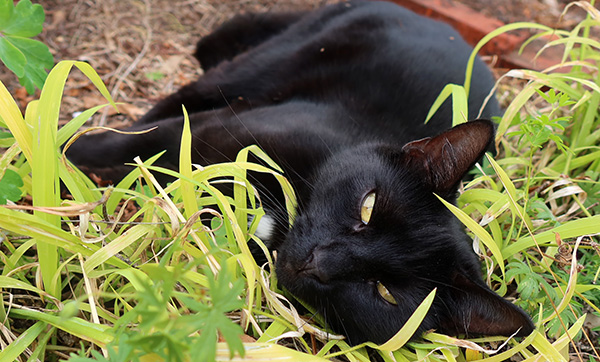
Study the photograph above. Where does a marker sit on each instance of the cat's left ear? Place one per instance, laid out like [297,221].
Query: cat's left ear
[477,310]
[446,158]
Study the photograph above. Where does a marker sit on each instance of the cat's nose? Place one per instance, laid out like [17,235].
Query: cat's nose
[314,266]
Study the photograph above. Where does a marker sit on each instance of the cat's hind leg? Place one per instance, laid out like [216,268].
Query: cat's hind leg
[241,33]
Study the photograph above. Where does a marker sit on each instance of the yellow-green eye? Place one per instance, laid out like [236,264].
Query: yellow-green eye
[366,209]
[385,294]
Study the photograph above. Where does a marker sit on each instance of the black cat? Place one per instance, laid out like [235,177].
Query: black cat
[338,97]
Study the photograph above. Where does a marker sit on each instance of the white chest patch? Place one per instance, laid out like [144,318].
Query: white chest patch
[265,228]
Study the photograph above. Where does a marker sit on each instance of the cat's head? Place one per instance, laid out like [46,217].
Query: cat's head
[373,240]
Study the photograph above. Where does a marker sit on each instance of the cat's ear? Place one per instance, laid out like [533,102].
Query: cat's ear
[480,311]
[446,158]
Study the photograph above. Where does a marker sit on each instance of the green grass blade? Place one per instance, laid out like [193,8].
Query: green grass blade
[512,192]
[16,348]
[115,246]
[185,168]
[490,36]
[95,333]
[570,229]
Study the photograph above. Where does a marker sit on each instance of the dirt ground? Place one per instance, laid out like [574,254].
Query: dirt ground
[142,48]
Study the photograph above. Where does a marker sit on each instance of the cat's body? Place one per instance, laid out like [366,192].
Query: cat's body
[335,97]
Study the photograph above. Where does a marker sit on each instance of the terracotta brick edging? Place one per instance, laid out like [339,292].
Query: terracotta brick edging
[473,26]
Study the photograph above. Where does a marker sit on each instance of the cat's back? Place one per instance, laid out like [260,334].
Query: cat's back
[380,62]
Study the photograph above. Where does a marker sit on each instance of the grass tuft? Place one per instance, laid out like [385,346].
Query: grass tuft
[140,272]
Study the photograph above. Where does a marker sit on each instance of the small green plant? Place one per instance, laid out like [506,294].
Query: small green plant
[538,130]
[10,184]
[26,57]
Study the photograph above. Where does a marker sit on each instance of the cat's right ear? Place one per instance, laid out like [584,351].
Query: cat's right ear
[477,310]
[445,159]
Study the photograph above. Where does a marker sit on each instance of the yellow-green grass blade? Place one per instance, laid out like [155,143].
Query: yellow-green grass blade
[460,105]
[267,352]
[122,188]
[7,157]
[512,193]
[8,282]
[250,269]
[137,278]
[500,357]
[546,349]
[115,246]
[479,231]
[185,168]
[29,225]
[69,129]
[41,344]
[490,36]
[288,191]
[570,229]
[409,328]
[12,261]
[563,341]
[16,348]
[11,116]
[241,191]
[274,330]
[570,287]
[95,333]
[44,165]
[79,185]
[517,103]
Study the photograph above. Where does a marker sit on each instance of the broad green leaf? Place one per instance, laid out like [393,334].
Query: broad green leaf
[10,185]
[27,58]
[26,19]
[7,8]
[38,58]
[12,57]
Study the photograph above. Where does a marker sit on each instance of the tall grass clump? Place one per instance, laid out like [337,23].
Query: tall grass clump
[139,272]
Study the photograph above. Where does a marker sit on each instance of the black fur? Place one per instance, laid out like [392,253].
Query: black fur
[337,97]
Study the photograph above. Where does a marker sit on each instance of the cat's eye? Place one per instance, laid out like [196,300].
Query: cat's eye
[366,209]
[385,294]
